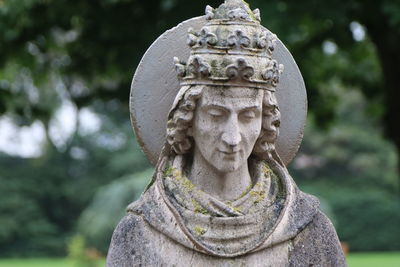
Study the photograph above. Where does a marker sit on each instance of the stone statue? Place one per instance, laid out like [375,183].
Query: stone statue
[221,194]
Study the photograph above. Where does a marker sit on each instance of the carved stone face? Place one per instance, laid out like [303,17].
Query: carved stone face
[226,126]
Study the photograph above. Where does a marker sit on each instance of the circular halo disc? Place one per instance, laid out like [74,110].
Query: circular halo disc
[155,85]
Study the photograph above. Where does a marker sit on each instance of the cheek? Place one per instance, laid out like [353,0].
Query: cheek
[252,131]
[205,132]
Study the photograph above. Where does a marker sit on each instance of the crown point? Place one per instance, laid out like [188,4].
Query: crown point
[257,14]
[209,12]
[281,68]
[191,39]
[179,67]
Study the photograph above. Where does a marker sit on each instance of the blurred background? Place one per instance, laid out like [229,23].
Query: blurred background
[69,161]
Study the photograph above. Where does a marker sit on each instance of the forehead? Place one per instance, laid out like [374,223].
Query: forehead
[229,97]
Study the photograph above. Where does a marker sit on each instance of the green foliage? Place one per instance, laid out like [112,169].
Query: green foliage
[85,52]
[90,48]
[79,255]
[368,219]
[36,207]
[99,219]
[354,170]
[41,199]
[93,44]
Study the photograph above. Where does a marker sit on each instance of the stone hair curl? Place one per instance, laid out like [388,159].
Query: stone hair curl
[183,115]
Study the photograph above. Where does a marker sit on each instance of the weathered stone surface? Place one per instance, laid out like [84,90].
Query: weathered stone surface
[149,235]
[221,195]
[155,86]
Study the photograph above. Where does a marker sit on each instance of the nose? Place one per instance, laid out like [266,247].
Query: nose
[231,135]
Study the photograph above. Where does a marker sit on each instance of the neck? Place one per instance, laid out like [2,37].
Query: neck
[221,185]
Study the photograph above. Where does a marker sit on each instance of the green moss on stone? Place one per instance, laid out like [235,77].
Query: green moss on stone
[199,231]
[258,195]
[266,169]
[245,191]
[168,171]
[237,209]
[198,208]
[177,174]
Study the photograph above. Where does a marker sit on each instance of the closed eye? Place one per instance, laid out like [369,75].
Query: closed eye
[215,112]
[249,114]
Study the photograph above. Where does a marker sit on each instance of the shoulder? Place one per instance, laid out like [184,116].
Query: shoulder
[322,231]
[128,225]
[124,247]
[317,244]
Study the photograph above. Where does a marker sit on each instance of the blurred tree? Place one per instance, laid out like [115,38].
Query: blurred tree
[42,198]
[85,52]
[98,220]
[353,169]
[92,47]
[365,32]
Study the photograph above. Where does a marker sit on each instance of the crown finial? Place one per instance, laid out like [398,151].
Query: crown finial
[233,10]
[232,49]
[209,12]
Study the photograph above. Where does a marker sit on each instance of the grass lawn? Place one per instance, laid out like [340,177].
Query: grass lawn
[45,262]
[388,259]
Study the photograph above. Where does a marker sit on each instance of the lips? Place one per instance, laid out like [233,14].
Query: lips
[229,153]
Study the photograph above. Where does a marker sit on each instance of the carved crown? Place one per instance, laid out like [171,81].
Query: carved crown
[232,49]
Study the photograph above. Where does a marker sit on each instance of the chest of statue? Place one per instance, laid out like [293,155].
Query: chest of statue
[155,247]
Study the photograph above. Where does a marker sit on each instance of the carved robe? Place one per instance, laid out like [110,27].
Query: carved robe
[271,224]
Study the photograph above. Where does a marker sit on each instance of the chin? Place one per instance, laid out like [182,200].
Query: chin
[226,167]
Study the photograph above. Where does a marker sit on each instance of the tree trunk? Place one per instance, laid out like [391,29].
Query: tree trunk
[386,38]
